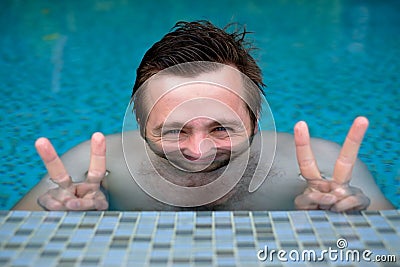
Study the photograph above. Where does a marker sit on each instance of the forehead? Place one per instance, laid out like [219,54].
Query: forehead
[224,85]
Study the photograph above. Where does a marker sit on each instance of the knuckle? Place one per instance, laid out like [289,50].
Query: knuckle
[346,161]
[342,191]
[307,163]
[95,174]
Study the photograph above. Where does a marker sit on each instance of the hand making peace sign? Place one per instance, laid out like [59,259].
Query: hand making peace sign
[74,196]
[334,194]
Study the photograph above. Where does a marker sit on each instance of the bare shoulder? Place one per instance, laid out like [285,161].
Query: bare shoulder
[77,159]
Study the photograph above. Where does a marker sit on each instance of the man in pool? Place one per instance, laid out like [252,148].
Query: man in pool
[198,100]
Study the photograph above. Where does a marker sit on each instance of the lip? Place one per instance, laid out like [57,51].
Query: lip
[201,160]
[209,159]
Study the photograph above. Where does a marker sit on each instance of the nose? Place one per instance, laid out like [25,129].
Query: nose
[197,146]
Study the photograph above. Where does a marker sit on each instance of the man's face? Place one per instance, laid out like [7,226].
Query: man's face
[200,124]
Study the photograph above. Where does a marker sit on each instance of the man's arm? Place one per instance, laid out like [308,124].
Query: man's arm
[29,201]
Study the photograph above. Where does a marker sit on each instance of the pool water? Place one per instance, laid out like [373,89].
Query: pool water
[67,69]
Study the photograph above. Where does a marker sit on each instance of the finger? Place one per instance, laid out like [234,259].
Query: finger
[62,195]
[314,199]
[47,202]
[342,191]
[320,185]
[97,167]
[348,153]
[353,202]
[96,202]
[53,163]
[86,189]
[80,204]
[305,157]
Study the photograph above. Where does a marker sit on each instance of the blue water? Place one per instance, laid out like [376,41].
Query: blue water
[67,69]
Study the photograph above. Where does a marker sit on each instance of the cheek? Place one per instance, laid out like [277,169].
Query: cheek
[167,146]
[170,148]
[225,143]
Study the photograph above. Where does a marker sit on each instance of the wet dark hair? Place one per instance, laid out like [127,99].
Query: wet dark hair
[199,41]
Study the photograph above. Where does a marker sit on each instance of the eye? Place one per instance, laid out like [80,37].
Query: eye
[172,132]
[221,132]
[220,129]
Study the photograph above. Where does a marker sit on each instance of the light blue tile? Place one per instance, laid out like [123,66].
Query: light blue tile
[7,253]
[224,245]
[244,238]
[226,261]
[71,253]
[224,231]
[25,257]
[160,253]
[46,262]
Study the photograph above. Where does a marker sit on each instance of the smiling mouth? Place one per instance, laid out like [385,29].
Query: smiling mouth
[209,159]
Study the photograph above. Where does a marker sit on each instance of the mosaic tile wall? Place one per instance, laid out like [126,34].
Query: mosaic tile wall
[192,238]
